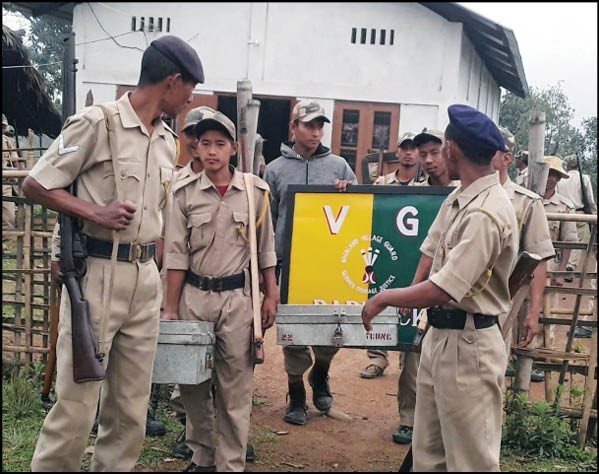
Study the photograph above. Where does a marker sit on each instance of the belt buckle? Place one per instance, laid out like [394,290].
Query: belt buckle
[135,252]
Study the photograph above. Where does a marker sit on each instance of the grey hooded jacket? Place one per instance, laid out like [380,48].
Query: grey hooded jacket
[290,168]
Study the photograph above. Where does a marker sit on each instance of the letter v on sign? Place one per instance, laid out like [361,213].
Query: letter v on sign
[335,223]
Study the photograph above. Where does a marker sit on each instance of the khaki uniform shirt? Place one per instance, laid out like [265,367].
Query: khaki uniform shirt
[561,230]
[522,177]
[208,234]
[391,178]
[145,163]
[9,154]
[477,248]
[532,221]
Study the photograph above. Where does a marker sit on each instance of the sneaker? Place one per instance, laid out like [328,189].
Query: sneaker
[582,332]
[195,468]
[296,412]
[403,435]
[371,372]
[321,392]
[537,375]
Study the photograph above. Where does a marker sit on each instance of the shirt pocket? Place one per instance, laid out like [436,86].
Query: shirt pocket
[130,173]
[240,224]
[200,230]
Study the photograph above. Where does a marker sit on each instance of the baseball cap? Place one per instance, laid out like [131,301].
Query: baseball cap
[555,164]
[475,127]
[306,110]
[181,54]
[508,138]
[404,137]
[428,136]
[195,115]
[215,120]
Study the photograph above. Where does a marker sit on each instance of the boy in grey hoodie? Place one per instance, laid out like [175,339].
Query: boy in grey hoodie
[305,161]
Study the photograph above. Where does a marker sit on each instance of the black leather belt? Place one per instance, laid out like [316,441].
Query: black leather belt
[126,253]
[215,283]
[456,319]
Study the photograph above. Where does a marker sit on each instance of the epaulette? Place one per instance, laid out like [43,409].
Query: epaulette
[183,178]
[527,192]
[261,184]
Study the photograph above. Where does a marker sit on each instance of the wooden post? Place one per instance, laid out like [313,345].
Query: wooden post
[538,170]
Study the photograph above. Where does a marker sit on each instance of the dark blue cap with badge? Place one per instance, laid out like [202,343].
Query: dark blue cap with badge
[181,54]
[475,127]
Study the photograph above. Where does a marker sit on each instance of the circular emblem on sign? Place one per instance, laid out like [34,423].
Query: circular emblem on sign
[374,252]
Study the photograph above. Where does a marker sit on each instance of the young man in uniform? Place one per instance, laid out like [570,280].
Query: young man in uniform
[305,161]
[564,231]
[208,279]
[470,251]
[534,238]
[126,325]
[9,158]
[429,144]
[407,170]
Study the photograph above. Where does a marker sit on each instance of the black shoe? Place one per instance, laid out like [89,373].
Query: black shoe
[195,468]
[250,453]
[180,449]
[321,393]
[296,413]
[155,428]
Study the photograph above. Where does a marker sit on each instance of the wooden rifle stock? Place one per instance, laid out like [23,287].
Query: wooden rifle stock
[522,273]
[54,318]
[87,364]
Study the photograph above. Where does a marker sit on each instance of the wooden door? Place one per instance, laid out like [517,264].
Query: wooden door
[360,128]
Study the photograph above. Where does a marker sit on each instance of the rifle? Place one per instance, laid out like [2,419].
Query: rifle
[87,360]
[519,278]
[54,318]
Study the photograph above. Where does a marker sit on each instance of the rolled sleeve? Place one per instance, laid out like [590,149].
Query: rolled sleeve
[535,233]
[267,256]
[478,247]
[49,176]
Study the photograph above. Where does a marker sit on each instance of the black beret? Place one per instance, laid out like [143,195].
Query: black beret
[476,127]
[181,54]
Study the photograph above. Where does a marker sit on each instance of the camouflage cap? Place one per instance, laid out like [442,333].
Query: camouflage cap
[195,115]
[508,139]
[180,53]
[522,155]
[406,136]
[4,120]
[555,164]
[215,120]
[571,162]
[307,110]
[428,136]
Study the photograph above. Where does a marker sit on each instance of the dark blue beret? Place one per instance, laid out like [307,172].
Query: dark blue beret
[181,54]
[475,127]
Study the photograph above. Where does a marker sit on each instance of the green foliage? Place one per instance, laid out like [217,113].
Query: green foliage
[561,138]
[537,429]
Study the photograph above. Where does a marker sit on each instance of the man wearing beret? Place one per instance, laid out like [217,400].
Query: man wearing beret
[123,296]
[468,255]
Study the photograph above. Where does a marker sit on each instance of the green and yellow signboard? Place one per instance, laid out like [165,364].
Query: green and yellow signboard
[345,247]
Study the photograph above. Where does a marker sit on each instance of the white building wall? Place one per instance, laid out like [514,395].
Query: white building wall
[295,50]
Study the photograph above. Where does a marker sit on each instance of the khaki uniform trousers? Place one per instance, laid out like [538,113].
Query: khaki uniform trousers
[8,210]
[129,324]
[378,357]
[406,387]
[200,441]
[298,359]
[459,403]
[228,428]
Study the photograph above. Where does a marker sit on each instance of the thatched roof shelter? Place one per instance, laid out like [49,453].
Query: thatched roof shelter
[24,99]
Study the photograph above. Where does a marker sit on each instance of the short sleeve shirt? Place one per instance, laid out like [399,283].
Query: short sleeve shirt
[561,230]
[477,248]
[82,153]
[208,233]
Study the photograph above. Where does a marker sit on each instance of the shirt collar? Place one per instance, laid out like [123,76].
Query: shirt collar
[236,180]
[463,196]
[130,119]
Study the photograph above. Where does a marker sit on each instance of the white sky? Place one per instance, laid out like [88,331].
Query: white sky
[557,42]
